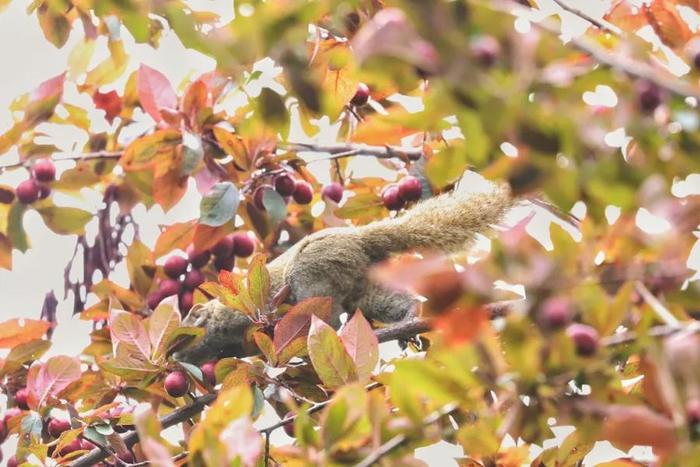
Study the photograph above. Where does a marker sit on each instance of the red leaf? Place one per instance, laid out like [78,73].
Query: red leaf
[15,331]
[361,344]
[110,102]
[47,380]
[296,321]
[155,92]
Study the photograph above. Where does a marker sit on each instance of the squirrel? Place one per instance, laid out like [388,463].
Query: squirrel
[335,262]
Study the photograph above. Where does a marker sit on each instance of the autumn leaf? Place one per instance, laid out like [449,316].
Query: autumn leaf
[161,325]
[175,236]
[361,344]
[65,220]
[331,361]
[295,323]
[663,16]
[155,92]
[19,331]
[127,329]
[47,380]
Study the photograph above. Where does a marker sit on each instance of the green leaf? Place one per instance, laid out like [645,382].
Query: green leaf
[447,166]
[273,111]
[140,266]
[274,206]
[361,344]
[219,205]
[25,353]
[364,206]
[345,422]
[65,220]
[477,144]
[331,361]
[15,227]
[192,153]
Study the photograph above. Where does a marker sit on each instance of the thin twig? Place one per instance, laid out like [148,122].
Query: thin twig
[85,156]
[661,311]
[598,23]
[314,408]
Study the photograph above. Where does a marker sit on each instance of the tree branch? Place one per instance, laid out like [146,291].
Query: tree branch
[641,70]
[341,150]
[598,23]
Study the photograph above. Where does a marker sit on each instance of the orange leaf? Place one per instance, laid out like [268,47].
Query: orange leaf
[169,188]
[5,252]
[178,235]
[18,331]
[638,425]
[667,23]
[626,16]
[205,237]
[462,325]
[378,130]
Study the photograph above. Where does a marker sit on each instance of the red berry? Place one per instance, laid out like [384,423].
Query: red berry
[168,287]
[194,279]
[225,264]
[44,191]
[289,427]
[333,191]
[197,260]
[224,247]
[410,188]
[27,191]
[45,171]
[176,384]
[175,266]
[391,197]
[692,411]
[556,312]
[56,427]
[303,193]
[209,373]
[649,96]
[585,338]
[154,299]
[74,445]
[21,398]
[185,301]
[259,194]
[12,462]
[243,244]
[486,50]
[285,184]
[361,95]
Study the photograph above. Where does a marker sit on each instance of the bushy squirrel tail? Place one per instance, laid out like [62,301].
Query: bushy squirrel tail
[448,222]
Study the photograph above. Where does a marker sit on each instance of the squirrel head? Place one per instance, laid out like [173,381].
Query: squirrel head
[225,333]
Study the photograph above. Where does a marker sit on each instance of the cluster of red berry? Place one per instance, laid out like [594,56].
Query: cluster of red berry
[185,274]
[395,196]
[299,190]
[37,185]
